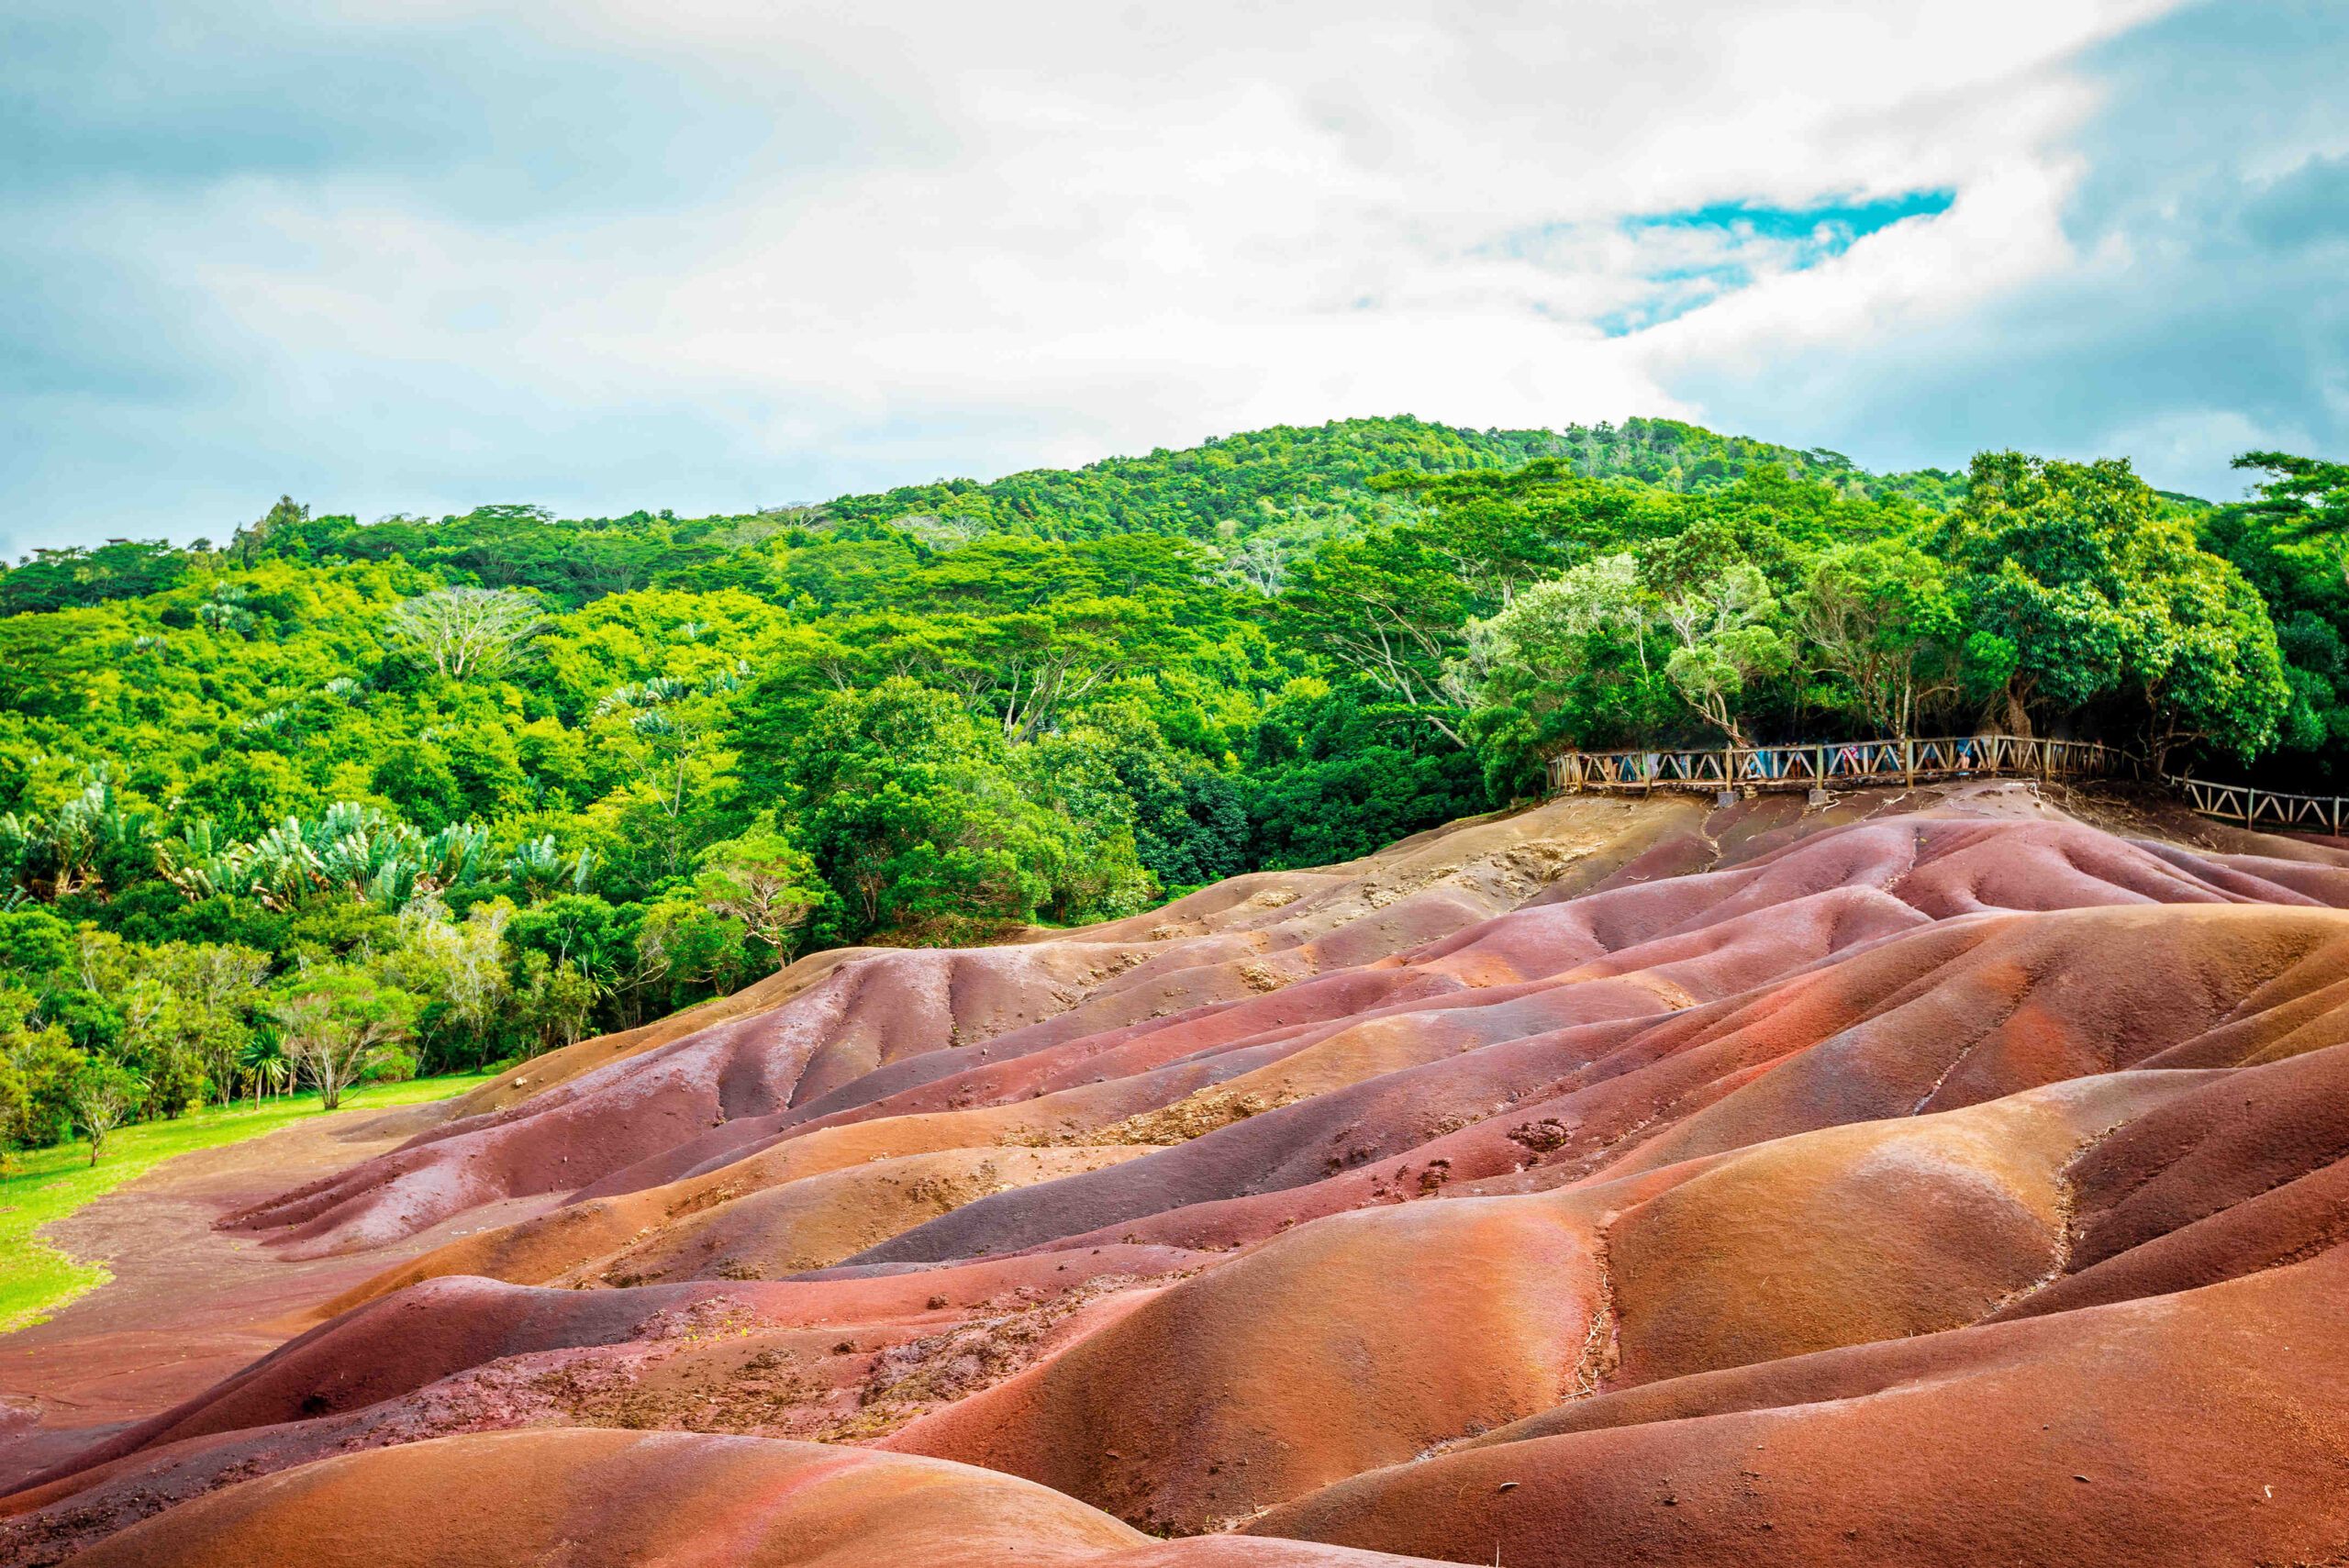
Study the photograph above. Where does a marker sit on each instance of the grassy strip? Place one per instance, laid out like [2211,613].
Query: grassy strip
[35,1279]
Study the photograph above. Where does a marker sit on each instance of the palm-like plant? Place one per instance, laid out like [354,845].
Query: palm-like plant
[264,1063]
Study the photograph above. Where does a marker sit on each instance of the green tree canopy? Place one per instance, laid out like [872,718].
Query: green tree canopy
[2094,588]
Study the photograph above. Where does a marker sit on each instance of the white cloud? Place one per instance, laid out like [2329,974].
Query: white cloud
[841,247]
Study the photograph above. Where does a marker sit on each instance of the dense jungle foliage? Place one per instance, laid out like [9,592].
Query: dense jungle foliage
[337,800]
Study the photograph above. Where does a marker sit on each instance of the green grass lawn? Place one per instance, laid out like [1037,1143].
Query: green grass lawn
[35,1279]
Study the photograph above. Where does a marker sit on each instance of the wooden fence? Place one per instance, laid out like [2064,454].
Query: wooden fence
[1855,764]
[1851,764]
[2262,807]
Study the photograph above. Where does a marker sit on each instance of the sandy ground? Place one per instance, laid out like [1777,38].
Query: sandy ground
[190,1305]
[187,1305]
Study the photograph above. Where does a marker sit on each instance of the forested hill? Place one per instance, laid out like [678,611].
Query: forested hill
[1287,479]
[1290,487]
[458,790]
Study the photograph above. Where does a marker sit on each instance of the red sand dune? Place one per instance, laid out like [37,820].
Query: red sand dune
[1937,1178]
[2193,1428]
[593,1498]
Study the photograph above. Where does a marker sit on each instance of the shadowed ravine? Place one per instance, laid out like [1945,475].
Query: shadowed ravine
[1939,1177]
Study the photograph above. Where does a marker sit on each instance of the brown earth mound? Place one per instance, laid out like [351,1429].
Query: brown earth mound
[590,1497]
[2196,1429]
[1939,1177]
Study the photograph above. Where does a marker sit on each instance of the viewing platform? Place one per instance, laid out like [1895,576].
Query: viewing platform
[1848,765]
[2262,807]
[1862,764]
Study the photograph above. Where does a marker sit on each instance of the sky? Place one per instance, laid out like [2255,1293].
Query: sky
[712,255]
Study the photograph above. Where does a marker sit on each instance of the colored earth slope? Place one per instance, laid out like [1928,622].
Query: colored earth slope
[1950,1176]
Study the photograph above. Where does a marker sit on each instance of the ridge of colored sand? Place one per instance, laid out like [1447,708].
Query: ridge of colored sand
[1939,1176]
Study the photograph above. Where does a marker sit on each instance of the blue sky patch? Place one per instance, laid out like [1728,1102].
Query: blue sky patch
[1797,238]
[1835,223]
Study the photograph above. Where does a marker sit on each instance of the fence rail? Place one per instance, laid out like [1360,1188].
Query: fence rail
[1857,763]
[1851,763]
[2261,807]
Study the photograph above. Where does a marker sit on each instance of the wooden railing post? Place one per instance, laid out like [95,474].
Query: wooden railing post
[1859,761]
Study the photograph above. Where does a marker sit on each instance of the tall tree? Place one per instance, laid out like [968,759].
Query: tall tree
[765,881]
[1883,616]
[102,1096]
[468,632]
[2307,496]
[2091,587]
[340,1024]
[1389,608]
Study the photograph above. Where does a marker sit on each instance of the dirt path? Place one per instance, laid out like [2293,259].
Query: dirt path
[188,1305]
